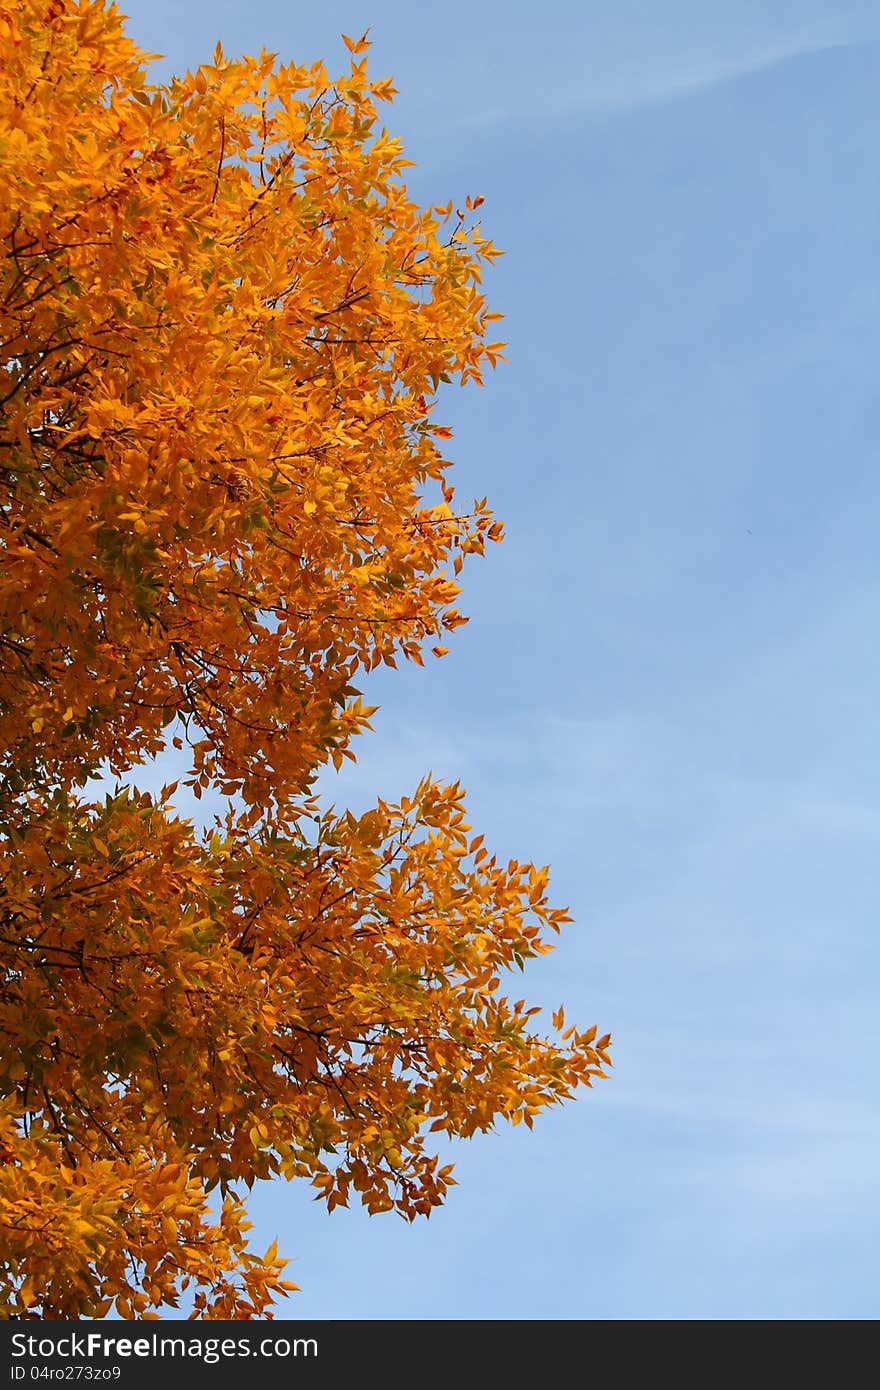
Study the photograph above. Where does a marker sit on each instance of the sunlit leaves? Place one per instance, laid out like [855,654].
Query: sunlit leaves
[222,497]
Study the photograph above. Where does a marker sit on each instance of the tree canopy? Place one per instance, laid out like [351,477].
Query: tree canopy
[223,495]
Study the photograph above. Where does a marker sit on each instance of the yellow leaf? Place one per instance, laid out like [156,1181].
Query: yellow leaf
[357,45]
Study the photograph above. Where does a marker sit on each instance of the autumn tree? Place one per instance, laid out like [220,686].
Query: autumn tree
[224,495]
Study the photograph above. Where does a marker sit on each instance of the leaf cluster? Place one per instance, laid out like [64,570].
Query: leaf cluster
[224,323]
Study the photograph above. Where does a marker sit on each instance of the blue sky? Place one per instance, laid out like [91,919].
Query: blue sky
[669,686]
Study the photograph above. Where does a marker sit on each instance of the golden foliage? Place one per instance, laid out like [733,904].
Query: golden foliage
[224,323]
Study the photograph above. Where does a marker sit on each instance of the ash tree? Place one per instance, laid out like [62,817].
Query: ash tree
[223,495]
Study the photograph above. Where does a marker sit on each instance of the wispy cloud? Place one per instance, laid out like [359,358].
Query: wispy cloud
[680,74]
[608,83]
[782,1148]
[635,763]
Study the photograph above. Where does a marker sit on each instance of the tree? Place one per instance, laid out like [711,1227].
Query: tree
[224,326]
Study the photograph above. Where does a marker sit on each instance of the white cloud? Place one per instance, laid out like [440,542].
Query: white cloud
[678,74]
[617,82]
